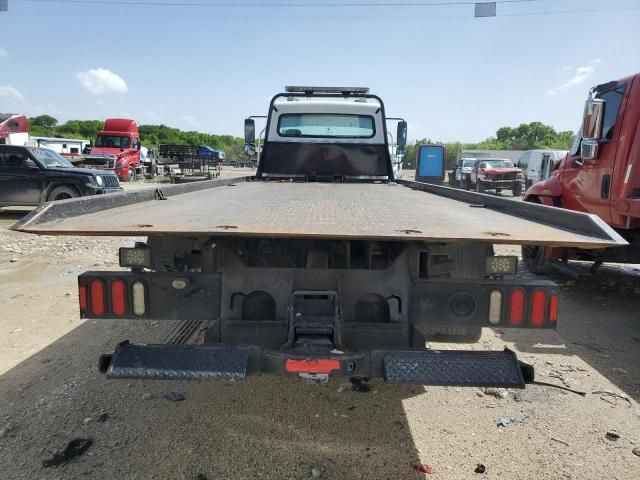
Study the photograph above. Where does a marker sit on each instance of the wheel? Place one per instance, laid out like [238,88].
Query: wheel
[535,257]
[517,189]
[131,175]
[152,171]
[479,187]
[62,193]
[467,184]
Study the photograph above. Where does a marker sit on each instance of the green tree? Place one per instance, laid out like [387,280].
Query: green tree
[43,121]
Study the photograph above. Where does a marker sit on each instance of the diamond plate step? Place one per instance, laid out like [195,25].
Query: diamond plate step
[462,368]
[176,362]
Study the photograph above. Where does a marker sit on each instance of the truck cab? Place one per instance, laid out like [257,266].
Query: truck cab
[325,134]
[599,175]
[119,140]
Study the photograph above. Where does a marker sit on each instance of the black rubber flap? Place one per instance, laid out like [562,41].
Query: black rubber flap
[178,362]
[463,368]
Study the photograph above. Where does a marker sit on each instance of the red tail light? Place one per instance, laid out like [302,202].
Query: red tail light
[516,312]
[97,297]
[538,308]
[118,297]
[553,308]
[82,296]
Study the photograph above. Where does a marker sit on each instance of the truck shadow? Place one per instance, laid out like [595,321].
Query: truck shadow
[599,322]
[265,426]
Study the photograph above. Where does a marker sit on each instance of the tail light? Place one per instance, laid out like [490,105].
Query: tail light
[118,297]
[138,293]
[82,297]
[538,308]
[516,310]
[97,297]
[495,307]
[553,308]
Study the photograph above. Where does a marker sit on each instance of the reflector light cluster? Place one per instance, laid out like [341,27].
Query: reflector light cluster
[514,309]
[116,298]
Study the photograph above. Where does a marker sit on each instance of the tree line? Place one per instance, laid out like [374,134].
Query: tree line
[527,136]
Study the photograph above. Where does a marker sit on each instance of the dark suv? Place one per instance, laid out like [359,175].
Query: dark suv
[32,175]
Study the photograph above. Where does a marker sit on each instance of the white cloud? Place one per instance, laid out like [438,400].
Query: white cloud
[4,52]
[9,91]
[100,81]
[580,74]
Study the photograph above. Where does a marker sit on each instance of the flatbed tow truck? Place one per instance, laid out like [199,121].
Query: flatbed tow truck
[321,264]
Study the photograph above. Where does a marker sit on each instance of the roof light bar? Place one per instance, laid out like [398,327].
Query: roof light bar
[342,90]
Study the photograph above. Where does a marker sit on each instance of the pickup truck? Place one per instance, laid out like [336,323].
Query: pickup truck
[33,175]
[495,174]
[322,264]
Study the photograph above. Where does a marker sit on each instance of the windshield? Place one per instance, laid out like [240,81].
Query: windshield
[113,141]
[496,164]
[329,125]
[50,159]
[468,162]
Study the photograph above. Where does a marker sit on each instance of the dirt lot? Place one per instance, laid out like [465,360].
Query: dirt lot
[274,428]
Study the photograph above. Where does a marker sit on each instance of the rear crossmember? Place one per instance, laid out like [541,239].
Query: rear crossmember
[197,296]
[224,362]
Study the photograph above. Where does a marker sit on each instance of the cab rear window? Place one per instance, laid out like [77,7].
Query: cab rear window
[326,125]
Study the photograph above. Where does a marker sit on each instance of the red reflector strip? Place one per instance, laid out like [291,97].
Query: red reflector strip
[118,297]
[516,308]
[538,307]
[96,293]
[82,296]
[553,308]
[312,366]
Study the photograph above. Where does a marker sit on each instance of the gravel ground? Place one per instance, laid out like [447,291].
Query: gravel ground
[284,428]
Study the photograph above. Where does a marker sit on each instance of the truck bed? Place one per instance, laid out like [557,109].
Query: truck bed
[397,212]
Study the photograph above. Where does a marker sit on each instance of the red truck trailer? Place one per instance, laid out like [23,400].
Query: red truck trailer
[598,175]
[117,144]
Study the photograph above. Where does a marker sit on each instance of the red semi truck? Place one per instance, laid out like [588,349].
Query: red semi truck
[119,144]
[600,175]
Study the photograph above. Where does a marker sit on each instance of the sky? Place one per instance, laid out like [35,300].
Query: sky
[208,65]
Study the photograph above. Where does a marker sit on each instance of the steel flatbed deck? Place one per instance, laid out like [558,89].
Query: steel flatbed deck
[246,207]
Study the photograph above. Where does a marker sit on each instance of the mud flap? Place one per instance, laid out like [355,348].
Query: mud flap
[175,362]
[463,368]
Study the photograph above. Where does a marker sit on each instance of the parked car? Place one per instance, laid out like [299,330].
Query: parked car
[32,175]
[495,174]
[537,165]
[458,176]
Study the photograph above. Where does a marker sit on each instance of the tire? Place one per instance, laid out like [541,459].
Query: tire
[517,189]
[534,257]
[131,175]
[467,183]
[479,187]
[62,193]
[152,171]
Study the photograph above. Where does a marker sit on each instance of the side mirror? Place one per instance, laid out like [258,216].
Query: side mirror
[593,118]
[250,149]
[30,164]
[249,131]
[588,149]
[401,134]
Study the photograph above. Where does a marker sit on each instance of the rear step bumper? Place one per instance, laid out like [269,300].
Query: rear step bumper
[223,362]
